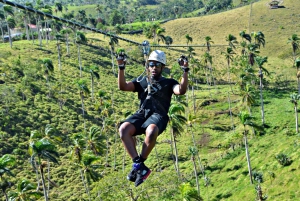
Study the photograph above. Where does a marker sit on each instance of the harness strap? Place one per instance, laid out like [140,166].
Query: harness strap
[154,102]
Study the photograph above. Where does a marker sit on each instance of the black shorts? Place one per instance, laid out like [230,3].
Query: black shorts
[143,118]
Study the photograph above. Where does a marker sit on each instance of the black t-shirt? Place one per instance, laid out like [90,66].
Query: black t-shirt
[161,91]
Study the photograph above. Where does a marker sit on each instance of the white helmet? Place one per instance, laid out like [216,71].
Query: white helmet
[158,55]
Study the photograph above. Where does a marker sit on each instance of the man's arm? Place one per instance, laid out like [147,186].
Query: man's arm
[122,84]
[181,88]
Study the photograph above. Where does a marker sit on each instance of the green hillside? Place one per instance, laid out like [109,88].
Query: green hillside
[29,102]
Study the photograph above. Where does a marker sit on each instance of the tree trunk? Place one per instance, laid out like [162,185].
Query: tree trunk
[79,59]
[9,34]
[296,115]
[82,105]
[112,61]
[6,197]
[261,97]
[230,112]
[157,157]
[84,184]
[67,43]
[59,58]
[26,26]
[198,155]
[48,169]
[2,32]
[92,86]
[176,155]
[43,183]
[194,99]
[172,152]
[196,175]
[229,77]
[248,157]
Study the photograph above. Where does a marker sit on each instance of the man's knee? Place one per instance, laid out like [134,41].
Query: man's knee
[152,132]
[126,129]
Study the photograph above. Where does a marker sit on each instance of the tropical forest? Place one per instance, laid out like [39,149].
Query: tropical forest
[234,135]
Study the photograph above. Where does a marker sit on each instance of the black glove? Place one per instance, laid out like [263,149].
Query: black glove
[121,57]
[181,62]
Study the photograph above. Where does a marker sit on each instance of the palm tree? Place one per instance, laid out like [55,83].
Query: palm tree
[42,148]
[2,19]
[194,152]
[94,74]
[8,10]
[294,40]
[83,91]
[99,9]
[25,192]
[294,99]
[297,64]
[49,134]
[260,62]
[245,36]
[80,39]
[252,53]
[176,121]
[24,15]
[66,33]
[229,57]
[5,162]
[246,119]
[160,36]
[88,170]
[208,42]
[188,39]
[153,27]
[58,38]
[176,10]
[248,96]
[231,39]
[93,140]
[48,69]
[112,42]
[47,9]
[207,61]
[168,40]
[58,7]
[190,123]
[243,44]
[4,185]
[259,38]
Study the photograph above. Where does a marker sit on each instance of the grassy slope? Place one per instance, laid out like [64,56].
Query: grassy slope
[228,175]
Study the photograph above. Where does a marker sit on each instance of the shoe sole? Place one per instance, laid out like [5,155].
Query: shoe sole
[131,179]
[144,178]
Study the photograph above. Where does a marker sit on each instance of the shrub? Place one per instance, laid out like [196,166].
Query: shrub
[283,159]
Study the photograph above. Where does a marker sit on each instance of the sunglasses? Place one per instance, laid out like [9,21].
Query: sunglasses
[157,64]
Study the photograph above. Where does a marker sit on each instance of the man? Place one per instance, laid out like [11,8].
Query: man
[152,118]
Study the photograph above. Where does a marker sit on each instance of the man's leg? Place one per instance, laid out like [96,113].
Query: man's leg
[143,171]
[150,140]
[126,133]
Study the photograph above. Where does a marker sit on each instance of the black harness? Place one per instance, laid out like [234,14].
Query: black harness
[151,96]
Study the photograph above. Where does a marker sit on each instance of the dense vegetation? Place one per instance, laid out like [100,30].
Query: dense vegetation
[60,109]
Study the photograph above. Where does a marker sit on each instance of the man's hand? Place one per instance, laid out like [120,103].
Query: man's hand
[121,58]
[183,63]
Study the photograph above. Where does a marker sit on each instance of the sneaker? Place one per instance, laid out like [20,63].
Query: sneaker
[132,174]
[142,174]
